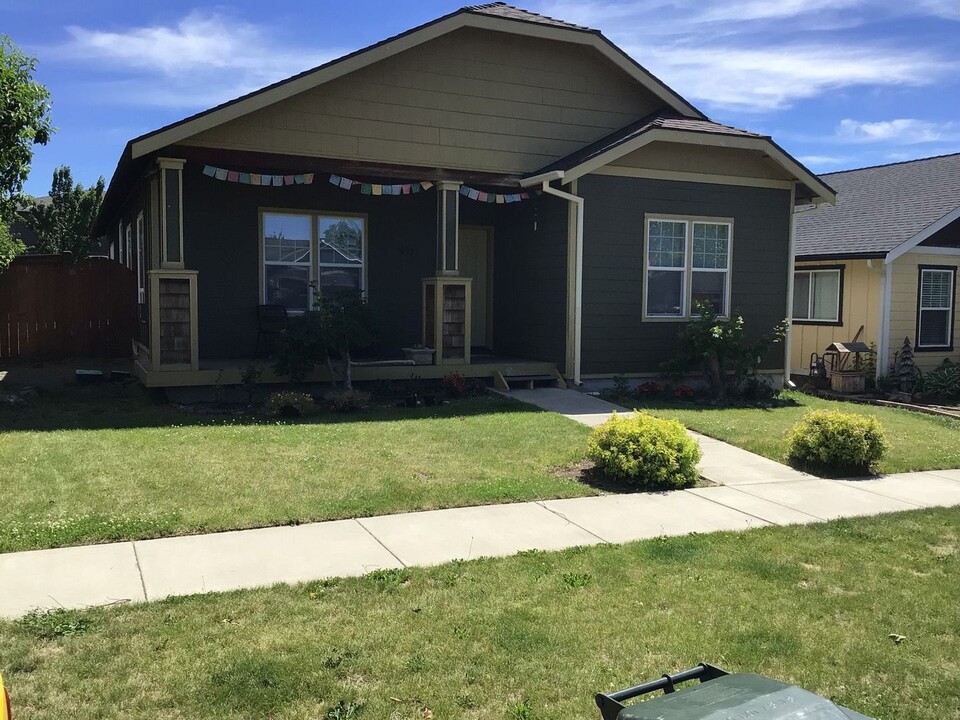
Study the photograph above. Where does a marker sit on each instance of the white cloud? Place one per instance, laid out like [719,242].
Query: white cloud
[901,131]
[730,54]
[201,60]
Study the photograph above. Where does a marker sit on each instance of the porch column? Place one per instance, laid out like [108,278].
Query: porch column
[448,223]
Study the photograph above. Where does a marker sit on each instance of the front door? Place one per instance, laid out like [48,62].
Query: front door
[476,258]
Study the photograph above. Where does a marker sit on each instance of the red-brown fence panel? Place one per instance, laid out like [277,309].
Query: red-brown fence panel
[52,308]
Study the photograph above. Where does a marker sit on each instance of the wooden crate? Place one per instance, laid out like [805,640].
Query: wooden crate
[851,381]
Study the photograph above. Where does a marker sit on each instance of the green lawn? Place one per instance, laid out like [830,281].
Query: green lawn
[917,441]
[107,464]
[533,636]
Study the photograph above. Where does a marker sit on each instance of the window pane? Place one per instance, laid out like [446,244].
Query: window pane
[288,285]
[936,288]
[667,242]
[711,245]
[826,296]
[934,328]
[711,287]
[286,238]
[664,292]
[801,296]
[341,240]
[339,279]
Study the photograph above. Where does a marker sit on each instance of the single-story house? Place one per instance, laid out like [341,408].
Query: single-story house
[510,189]
[884,258]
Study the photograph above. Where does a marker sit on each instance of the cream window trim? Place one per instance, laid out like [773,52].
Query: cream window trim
[688,270]
[128,245]
[315,217]
[176,165]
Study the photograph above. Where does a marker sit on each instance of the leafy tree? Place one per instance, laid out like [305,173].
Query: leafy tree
[339,325]
[64,224]
[24,122]
[719,346]
[10,246]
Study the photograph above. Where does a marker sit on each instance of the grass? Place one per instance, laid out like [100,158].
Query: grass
[917,441]
[101,464]
[532,636]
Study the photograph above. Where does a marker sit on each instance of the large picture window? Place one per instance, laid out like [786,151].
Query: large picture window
[307,251]
[816,295]
[935,307]
[687,262]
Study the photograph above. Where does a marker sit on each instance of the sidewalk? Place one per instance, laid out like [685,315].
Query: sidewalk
[751,496]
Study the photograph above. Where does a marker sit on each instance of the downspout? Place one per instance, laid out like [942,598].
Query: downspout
[883,342]
[788,340]
[577,201]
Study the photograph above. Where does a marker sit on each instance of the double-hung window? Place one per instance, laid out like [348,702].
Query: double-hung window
[816,295]
[935,307]
[307,252]
[687,262]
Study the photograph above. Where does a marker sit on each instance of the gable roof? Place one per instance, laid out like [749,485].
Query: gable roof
[492,16]
[881,209]
[665,125]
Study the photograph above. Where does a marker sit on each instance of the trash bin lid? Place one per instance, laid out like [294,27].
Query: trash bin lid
[742,696]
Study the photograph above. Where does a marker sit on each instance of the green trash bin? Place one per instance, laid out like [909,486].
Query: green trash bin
[721,696]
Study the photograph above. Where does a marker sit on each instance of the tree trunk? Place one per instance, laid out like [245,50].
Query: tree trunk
[333,373]
[347,378]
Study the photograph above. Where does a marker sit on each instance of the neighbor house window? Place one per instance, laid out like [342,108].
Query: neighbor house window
[687,262]
[141,261]
[935,307]
[128,244]
[307,251]
[816,295]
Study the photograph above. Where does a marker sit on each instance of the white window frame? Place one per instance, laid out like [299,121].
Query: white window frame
[141,261]
[686,290]
[810,319]
[128,236]
[949,307]
[315,217]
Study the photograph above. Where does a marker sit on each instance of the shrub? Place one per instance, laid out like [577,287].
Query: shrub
[683,392]
[648,389]
[838,441]
[646,451]
[289,404]
[943,383]
[455,385]
[756,390]
[347,400]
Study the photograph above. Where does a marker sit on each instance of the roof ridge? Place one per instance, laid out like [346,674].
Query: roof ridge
[530,16]
[892,164]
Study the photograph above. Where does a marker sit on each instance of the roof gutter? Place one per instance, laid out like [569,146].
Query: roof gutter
[544,180]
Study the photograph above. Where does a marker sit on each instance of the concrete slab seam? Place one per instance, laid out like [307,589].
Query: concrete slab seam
[379,542]
[571,522]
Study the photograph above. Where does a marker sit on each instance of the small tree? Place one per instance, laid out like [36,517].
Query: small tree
[905,370]
[338,326]
[64,224]
[24,122]
[719,346]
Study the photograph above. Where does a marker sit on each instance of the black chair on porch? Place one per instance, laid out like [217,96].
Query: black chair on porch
[271,321]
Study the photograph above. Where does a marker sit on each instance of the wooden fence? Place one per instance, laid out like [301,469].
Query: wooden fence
[52,308]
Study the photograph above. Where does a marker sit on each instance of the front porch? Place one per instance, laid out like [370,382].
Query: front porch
[502,371]
[482,282]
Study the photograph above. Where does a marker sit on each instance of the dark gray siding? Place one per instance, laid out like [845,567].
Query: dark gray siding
[615,338]
[221,242]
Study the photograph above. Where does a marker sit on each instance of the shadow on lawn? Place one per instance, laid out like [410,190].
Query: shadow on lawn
[128,405]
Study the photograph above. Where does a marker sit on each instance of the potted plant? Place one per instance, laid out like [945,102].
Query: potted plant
[420,354]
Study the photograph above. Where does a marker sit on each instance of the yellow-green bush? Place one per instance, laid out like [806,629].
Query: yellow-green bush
[289,404]
[837,441]
[646,451]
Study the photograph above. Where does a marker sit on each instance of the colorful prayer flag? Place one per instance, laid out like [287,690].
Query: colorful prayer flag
[500,200]
[288,180]
[209,170]
[406,189]
[308,178]
[377,189]
[245,178]
[346,183]
[366,188]
[335,180]
[277,180]
[221,174]
[426,185]
[233,176]
[254,178]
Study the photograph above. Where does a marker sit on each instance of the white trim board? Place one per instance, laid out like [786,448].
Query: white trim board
[932,228]
[351,63]
[762,144]
[692,177]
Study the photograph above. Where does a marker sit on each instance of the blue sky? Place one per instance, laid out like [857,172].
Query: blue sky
[838,83]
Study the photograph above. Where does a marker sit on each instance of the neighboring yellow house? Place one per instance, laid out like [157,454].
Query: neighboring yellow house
[885,258]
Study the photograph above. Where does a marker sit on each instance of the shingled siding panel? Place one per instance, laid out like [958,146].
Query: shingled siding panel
[221,241]
[530,275]
[615,338]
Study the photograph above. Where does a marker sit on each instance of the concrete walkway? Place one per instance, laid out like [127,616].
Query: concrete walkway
[750,497]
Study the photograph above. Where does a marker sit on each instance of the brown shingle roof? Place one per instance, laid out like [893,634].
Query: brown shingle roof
[502,10]
[659,119]
[880,207]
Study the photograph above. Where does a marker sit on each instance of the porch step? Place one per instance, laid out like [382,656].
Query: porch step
[505,382]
